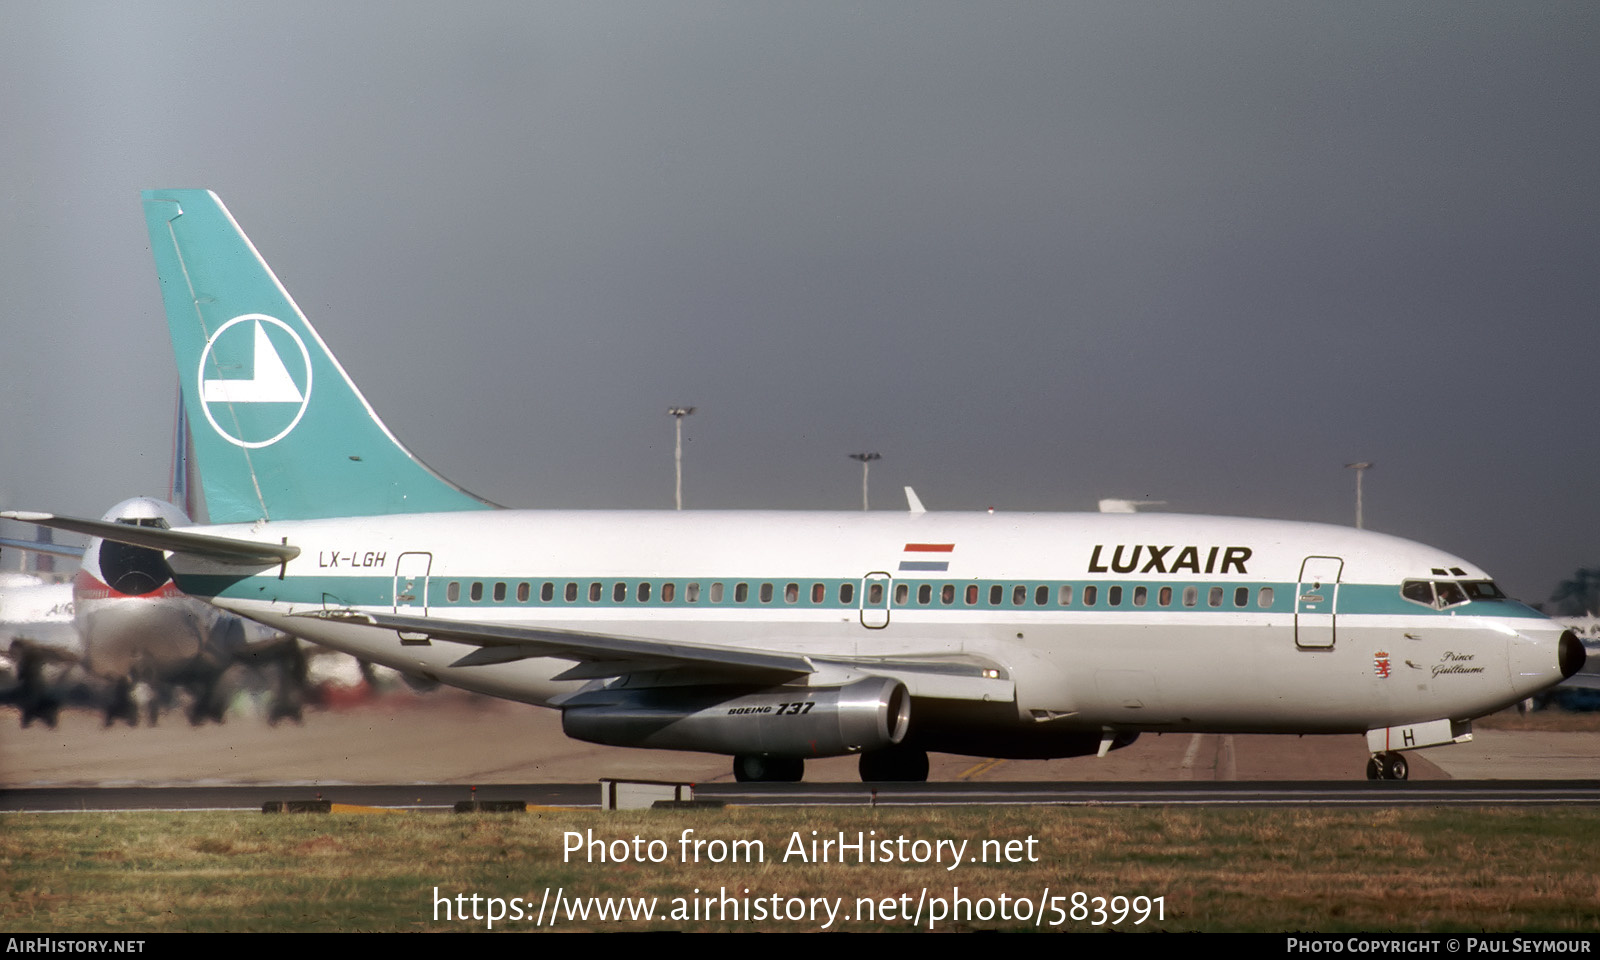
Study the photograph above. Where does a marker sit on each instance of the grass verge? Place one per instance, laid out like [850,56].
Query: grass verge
[1263,869]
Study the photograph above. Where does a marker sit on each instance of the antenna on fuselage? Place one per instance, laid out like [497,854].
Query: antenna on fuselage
[1128,506]
[914,502]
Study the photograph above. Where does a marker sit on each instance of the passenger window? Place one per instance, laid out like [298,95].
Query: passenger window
[523,592]
[1165,597]
[452,593]
[691,591]
[1114,596]
[847,593]
[741,592]
[1241,596]
[819,593]
[901,592]
[947,593]
[1191,596]
[500,592]
[571,592]
[716,591]
[874,593]
[669,590]
[1064,596]
[791,593]
[619,592]
[547,592]
[766,593]
[1264,598]
[924,593]
[1140,595]
[972,594]
[595,591]
[1019,595]
[995,593]
[1041,596]
[1089,593]
[477,590]
[1216,596]
[644,592]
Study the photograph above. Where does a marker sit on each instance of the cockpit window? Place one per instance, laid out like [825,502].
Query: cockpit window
[1450,593]
[1441,594]
[1417,591]
[158,523]
[1482,590]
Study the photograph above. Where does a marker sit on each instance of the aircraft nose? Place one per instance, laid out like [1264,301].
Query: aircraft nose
[1570,654]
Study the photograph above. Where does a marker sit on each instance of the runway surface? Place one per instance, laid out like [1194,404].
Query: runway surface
[436,797]
[435,747]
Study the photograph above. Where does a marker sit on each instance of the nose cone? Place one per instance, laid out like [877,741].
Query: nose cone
[1541,654]
[1570,654]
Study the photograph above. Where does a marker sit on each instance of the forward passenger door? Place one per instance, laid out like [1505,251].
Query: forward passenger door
[1316,603]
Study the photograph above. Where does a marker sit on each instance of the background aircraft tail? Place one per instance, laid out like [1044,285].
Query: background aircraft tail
[280,432]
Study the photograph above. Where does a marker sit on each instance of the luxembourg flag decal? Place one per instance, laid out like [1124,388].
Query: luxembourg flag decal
[920,550]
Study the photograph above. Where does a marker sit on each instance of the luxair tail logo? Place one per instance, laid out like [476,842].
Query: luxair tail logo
[255,380]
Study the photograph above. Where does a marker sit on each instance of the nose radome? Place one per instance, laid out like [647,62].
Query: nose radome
[1570,654]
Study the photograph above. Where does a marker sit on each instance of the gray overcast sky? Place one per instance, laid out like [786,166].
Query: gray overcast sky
[1034,253]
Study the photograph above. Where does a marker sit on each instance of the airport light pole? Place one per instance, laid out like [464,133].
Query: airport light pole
[1360,469]
[866,464]
[677,414]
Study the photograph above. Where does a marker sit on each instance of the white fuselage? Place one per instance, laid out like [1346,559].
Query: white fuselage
[37,615]
[1196,623]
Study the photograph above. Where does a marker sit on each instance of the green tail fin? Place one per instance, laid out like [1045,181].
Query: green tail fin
[280,431]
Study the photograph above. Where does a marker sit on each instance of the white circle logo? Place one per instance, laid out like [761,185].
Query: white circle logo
[257,405]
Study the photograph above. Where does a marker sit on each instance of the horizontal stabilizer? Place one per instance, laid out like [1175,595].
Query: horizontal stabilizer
[222,549]
[35,546]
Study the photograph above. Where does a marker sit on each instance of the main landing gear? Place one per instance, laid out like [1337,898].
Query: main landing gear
[1388,766]
[748,768]
[897,764]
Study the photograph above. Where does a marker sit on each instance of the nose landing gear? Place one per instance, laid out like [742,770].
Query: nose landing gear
[1388,766]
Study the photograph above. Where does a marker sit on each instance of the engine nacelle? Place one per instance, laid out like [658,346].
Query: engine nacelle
[775,721]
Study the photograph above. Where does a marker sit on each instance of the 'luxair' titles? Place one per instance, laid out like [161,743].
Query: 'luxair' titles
[1150,558]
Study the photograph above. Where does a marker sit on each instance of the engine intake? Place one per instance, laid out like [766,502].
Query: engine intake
[774,721]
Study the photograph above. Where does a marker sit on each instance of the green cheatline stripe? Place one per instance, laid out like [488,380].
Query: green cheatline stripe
[378,591]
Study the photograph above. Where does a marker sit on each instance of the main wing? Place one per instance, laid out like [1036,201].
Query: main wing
[601,655]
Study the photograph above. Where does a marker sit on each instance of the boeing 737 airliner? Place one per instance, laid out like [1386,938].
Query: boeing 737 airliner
[772,636]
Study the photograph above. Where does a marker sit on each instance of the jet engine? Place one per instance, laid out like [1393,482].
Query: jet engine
[865,715]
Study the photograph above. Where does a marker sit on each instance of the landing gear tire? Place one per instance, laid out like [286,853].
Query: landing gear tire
[48,711]
[758,769]
[1388,766]
[284,711]
[894,765]
[1395,767]
[122,706]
